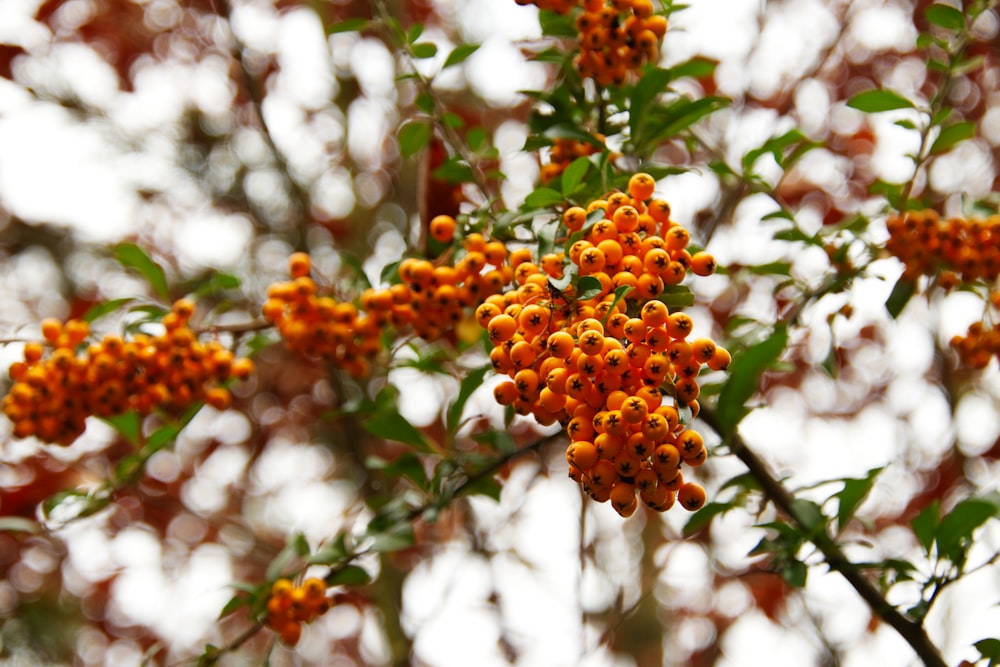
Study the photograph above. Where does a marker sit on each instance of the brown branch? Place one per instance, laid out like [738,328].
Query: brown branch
[912,632]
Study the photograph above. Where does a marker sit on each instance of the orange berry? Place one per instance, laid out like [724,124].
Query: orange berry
[641,186]
[502,328]
[691,496]
[442,228]
[299,265]
[703,263]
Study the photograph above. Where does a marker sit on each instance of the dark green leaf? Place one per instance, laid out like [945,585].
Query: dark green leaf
[413,137]
[562,131]
[406,465]
[588,287]
[425,50]
[704,516]
[774,146]
[454,170]
[234,603]
[101,309]
[556,25]
[745,481]
[958,525]
[744,376]
[350,25]
[161,437]
[132,256]
[500,441]
[349,575]
[951,135]
[391,425]
[873,101]
[854,491]
[945,16]
[127,424]
[543,198]
[809,516]
[472,381]
[646,91]
[573,174]
[900,296]
[795,573]
[925,525]
[395,538]
[484,486]
[459,54]
[989,649]
[772,268]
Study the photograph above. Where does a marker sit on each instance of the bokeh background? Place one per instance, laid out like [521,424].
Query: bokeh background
[221,136]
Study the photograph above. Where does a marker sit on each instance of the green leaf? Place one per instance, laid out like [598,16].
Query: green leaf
[460,54]
[696,67]
[295,548]
[958,525]
[424,50]
[900,296]
[349,575]
[396,537]
[744,376]
[234,603]
[406,465]
[128,425]
[989,649]
[809,515]
[161,437]
[484,486]
[677,296]
[18,524]
[704,516]
[414,33]
[99,310]
[543,198]
[945,16]
[854,491]
[620,293]
[472,381]
[132,256]
[454,170]
[413,137]
[501,441]
[573,174]
[874,101]
[588,287]
[391,425]
[650,85]
[350,25]
[925,525]
[556,25]
[952,135]
[795,573]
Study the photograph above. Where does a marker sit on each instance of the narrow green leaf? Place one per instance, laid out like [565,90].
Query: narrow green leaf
[127,424]
[853,493]
[18,524]
[395,538]
[925,525]
[424,50]
[744,376]
[874,101]
[292,551]
[696,67]
[349,575]
[704,516]
[546,235]
[945,16]
[472,381]
[132,256]
[775,146]
[99,310]
[573,174]
[952,135]
[414,33]
[234,603]
[161,437]
[646,90]
[900,296]
[460,54]
[413,137]
[393,426]
[350,25]
[543,198]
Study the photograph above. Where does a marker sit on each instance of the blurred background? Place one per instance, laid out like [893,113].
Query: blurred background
[220,136]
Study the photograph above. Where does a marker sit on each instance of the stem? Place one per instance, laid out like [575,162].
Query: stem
[912,632]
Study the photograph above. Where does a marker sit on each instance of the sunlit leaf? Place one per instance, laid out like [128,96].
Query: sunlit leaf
[853,493]
[391,425]
[588,287]
[350,25]
[99,310]
[945,16]
[874,101]
[132,256]
[459,54]
[704,516]
[956,527]
[543,198]
[573,174]
[424,50]
[413,137]
[952,135]
[127,424]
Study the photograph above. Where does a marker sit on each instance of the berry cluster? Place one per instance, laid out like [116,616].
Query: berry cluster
[616,36]
[430,300]
[981,342]
[289,606]
[563,152]
[603,365]
[953,249]
[53,395]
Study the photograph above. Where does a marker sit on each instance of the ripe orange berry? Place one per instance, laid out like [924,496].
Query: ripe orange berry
[691,496]
[442,228]
[299,265]
[641,186]
[703,263]
[502,328]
